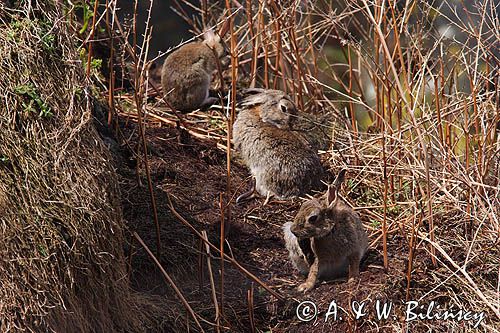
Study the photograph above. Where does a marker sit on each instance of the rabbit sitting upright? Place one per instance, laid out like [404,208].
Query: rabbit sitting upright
[282,161]
[187,73]
[326,239]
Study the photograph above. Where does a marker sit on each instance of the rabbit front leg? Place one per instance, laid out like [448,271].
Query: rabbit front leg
[311,277]
[353,260]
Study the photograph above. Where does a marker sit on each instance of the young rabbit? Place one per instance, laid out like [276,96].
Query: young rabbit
[282,161]
[187,73]
[326,239]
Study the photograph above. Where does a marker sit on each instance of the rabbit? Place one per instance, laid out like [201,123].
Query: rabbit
[281,161]
[187,73]
[326,239]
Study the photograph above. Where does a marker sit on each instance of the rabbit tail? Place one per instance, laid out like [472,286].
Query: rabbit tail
[294,251]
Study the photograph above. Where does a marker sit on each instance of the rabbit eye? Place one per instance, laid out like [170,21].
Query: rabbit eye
[312,218]
[283,108]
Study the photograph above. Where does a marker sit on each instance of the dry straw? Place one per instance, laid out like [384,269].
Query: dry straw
[61,259]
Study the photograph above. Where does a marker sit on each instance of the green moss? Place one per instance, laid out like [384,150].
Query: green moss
[96,63]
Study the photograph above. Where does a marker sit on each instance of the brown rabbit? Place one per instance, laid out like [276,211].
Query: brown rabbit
[187,73]
[326,239]
[282,161]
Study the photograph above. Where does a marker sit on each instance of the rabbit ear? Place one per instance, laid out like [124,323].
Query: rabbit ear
[251,100]
[333,190]
[331,196]
[253,91]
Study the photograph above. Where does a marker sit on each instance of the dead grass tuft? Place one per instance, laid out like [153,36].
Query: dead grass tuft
[62,264]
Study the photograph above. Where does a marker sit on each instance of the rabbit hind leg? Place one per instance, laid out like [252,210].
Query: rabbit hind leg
[250,194]
[208,102]
[196,95]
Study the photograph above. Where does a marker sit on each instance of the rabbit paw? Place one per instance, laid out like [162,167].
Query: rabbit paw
[250,194]
[209,102]
[305,287]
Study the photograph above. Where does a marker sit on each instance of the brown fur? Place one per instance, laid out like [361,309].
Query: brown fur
[282,161]
[337,237]
[187,73]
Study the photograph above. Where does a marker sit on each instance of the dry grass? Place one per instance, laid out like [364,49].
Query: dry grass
[62,265]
